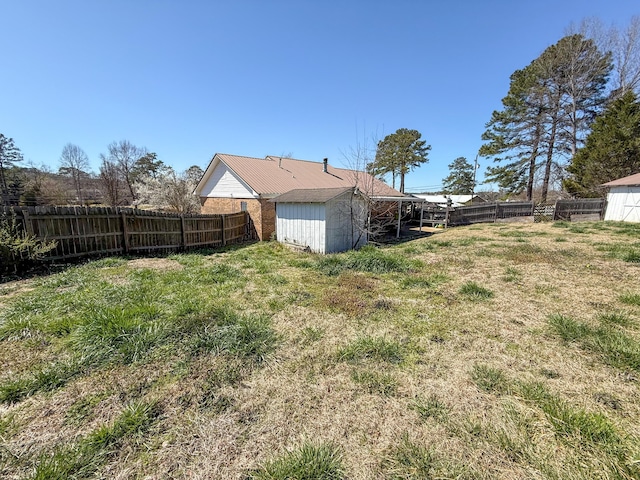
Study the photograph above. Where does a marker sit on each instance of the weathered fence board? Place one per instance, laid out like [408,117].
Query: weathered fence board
[83,231]
[565,209]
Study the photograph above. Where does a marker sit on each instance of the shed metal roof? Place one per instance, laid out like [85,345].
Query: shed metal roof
[625,181]
[311,195]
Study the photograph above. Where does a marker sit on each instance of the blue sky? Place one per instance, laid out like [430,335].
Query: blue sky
[187,79]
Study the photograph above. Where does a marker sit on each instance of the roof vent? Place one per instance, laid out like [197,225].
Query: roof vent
[324,165]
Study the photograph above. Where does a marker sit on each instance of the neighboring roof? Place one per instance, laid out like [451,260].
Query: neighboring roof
[624,182]
[272,176]
[311,195]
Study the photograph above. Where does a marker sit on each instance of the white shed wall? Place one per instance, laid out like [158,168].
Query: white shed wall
[623,204]
[303,224]
[223,183]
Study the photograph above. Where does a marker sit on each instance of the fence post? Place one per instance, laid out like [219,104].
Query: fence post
[224,242]
[495,212]
[183,231]
[28,226]
[125,233]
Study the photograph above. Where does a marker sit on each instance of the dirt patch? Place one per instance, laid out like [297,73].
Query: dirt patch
[155,264]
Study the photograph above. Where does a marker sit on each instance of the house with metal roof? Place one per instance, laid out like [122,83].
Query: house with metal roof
[233,183]
[623,199]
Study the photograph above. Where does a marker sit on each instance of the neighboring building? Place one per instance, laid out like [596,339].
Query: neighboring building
[456,200]
[323,220]
[233,183]
[623,200]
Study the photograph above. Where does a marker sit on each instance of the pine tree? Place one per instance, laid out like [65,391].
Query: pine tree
[399,153]
[460,180]
[9,156]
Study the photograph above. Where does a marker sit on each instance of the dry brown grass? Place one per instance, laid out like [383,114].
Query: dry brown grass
[217,425]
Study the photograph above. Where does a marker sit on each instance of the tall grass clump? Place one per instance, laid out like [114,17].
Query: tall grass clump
[249,337]
[309,462]
[368,259]
[119,335]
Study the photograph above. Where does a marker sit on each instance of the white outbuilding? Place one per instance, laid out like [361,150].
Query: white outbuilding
[623,200]
[322,220]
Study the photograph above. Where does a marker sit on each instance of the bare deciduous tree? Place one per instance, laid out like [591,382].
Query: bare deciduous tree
[74,162]
[124,155]
[624,46]
[111,181]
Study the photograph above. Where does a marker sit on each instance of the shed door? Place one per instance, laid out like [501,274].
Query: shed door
[631,206]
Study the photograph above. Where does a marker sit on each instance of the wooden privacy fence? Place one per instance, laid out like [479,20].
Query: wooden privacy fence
[582,208]
[492,212]
[578,209]
[83,231]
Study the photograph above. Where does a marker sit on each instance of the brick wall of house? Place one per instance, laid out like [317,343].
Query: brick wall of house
[268,224]
[261,212]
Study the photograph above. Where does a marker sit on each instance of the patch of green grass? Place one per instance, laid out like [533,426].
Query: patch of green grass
[615,318]
[309,462]
[474,291]
[248,337]
[372,348]
[430,407]
[375,382]
[90,453]
[574,424]
[616,347]
[489,379]
[368,259]
[627,252]
[630,299]
[43,379]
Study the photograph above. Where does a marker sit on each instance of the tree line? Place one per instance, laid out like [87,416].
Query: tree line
[128,175]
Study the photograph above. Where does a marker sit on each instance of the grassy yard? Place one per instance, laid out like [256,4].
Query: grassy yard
[499,351]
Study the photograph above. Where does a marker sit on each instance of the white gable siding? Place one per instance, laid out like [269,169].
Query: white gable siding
[302,224]
[623,204]
[223,183]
